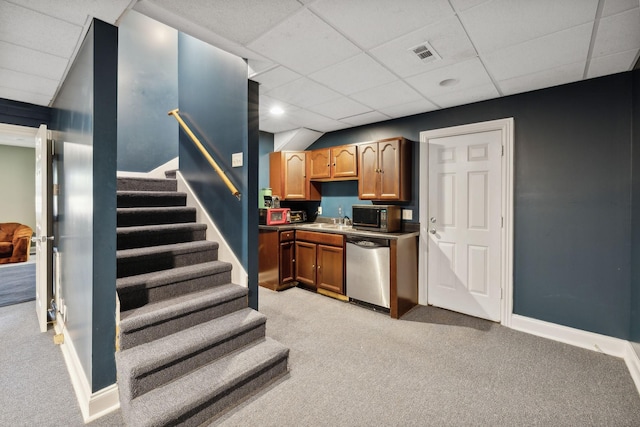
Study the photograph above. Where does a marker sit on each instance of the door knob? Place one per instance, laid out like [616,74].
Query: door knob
[432,231]
[432,220]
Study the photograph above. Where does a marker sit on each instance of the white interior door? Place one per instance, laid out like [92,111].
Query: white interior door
[464,223]
[43,241]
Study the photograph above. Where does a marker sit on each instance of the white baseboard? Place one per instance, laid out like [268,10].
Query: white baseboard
[579,338]
[158,172]
[632,360]
[92,405]
[238,274]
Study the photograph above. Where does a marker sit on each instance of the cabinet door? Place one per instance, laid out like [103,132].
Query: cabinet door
[389,167]
[286,262]
[344,161]
[295,176]
[306,263]
[331,268]
[368,165]
[319,164]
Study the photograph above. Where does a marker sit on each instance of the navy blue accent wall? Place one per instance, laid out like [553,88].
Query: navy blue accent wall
[212,87]
[24,114]
[266,147]
[147,90]
[572,195]
[635,197]
[84,122]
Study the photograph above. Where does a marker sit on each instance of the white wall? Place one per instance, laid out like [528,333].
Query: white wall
[17,185]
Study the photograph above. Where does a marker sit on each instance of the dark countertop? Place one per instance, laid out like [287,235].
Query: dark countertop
[312,226]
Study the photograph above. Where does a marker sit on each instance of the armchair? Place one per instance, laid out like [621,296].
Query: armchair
[15,242]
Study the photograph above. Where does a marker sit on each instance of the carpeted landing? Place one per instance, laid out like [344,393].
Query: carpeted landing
[17,283]
[350,366]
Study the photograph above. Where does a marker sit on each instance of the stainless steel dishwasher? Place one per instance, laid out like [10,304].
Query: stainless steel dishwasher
[368,270]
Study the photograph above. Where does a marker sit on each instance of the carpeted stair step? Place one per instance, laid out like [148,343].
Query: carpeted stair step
[155,235]
[136,261]
[128,217]
[136,291]
[201,395]
[151,365]
[146,184]
[130,199]
[156,320]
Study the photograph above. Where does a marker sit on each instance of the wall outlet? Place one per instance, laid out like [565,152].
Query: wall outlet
[407,214]
[236,160]
[319,210]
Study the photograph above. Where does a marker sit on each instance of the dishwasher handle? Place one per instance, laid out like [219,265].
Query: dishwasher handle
[368,242]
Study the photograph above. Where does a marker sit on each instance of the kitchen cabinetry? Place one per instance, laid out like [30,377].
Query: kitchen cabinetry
[288,176]
[276,250]
[385,170]
[320,261]
[334,164]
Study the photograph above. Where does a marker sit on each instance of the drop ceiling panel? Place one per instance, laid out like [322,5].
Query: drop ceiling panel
[239,20]
[560,48]
[371,23]
[28,83]
[618,33]
[408,109]
[365,118]
[612,7]
[316,121]
[304,43]
[78,11]
[605,65]
[339,108]
[27,28]
[303,93]
[548,78]
[461,5]
[467,96]
[24,96]
[447,38]
[276,77]
[32,62]
[388,95]
[470,74]
[353,75]
[501,23]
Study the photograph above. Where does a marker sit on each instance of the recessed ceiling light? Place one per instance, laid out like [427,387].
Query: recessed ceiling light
[276,111]
[449,82]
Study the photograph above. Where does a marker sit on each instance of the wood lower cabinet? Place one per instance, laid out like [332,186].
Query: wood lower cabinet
[320,260]
[306,263]
[276,259]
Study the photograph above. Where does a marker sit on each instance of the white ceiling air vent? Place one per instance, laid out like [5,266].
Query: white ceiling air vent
[425,53]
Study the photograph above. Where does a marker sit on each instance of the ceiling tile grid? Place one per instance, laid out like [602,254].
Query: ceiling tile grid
[332,64]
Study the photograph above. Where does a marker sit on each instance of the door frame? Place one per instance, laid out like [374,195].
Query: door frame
[505,126]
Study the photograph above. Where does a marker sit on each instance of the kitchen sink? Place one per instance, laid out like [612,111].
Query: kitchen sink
[329,226]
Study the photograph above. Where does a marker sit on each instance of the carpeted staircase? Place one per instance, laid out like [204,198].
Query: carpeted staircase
[189,346]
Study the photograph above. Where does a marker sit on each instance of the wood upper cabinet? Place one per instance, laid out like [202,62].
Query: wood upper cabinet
[288,176]
[385,170]
[335,163]
[320,260]
[320,164]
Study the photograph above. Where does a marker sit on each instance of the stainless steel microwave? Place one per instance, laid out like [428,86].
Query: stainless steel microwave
[380,218]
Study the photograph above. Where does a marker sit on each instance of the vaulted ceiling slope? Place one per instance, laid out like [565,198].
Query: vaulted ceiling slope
[334,64]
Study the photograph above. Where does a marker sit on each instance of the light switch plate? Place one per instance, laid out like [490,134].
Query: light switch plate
[236,160]
[407,214]
[319,210]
